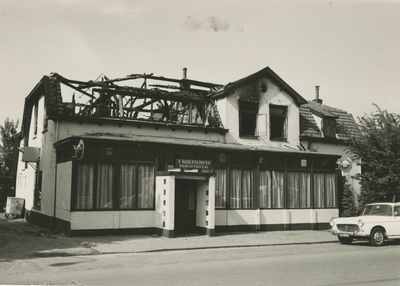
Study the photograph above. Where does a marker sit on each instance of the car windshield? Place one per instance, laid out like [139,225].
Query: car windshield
[378,210]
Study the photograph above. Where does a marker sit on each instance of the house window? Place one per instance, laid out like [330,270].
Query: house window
[35,118]
[271,189]
[324,190]
[38,190]
[247,118]
[329,127]
[278,122]
[241,189]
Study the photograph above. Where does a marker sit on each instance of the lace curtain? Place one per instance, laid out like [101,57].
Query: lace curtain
[324,191]
[241,188]
[84,194]
[105,176]
[298,190]
[271,189]
[220,188]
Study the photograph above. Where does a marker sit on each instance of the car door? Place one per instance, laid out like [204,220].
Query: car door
[393,223]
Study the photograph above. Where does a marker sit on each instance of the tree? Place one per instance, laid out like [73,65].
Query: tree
[348,200]
[7,159]
[379,150]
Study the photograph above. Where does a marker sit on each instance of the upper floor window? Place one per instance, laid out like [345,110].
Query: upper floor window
[247,118]
[329,127]
[35,118]
[278,122]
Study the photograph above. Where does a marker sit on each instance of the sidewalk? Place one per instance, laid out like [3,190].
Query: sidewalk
[140,244]
[20,239]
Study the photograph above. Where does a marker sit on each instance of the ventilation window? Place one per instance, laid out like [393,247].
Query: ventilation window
[263,87]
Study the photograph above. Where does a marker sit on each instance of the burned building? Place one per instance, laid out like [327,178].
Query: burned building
[150,154]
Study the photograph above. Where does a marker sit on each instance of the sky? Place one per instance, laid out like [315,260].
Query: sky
[351,49]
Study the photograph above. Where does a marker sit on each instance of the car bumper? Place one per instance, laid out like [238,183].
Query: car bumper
[359,233]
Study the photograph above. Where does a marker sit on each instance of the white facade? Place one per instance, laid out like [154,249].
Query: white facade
[107,138]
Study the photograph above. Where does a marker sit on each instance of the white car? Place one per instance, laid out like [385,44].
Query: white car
[377,222]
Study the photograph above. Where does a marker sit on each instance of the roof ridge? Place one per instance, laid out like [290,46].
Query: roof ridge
[327,106]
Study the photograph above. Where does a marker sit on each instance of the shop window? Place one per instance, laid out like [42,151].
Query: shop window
[95,186]
[325,190]
[241,186]
[136,187]
[127,186]
[247,118]
[298,190]
[104,184]
[220,188]
[271,189]
[278,122]
[145,187]
[84,194]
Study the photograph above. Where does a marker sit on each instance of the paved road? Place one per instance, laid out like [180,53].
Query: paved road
[318,264]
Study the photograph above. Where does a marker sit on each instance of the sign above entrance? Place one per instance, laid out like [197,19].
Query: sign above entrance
[194,164]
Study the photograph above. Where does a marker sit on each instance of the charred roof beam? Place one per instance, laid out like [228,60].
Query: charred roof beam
[154,94]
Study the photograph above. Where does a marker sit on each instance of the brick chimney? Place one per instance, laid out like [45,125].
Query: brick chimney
[317,100]
[185,83]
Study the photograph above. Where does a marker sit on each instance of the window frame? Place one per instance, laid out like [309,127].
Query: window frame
[240,192]
[283,122]
[37,200]
[324,193]
[329,127]
[223,195]
[35,119]
[307,192]
[116,191]
[248,113]
[274,196]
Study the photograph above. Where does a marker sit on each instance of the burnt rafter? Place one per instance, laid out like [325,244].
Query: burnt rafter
[170,103]
[183,96]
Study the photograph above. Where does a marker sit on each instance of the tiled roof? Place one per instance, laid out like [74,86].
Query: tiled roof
[345,123]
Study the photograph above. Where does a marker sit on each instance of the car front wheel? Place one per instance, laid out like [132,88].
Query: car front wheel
[377,237]
[345,240]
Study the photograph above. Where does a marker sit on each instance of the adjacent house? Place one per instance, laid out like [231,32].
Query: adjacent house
[150,154]
[328,130]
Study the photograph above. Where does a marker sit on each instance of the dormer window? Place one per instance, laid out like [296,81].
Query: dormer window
[329,127]
[278,122]
[247,118]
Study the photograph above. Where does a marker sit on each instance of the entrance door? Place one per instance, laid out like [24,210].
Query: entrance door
[185,206]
